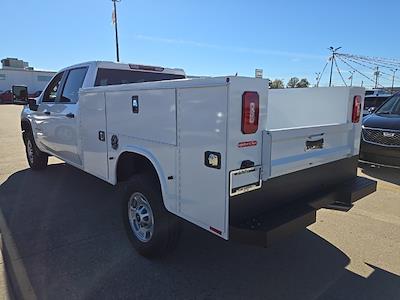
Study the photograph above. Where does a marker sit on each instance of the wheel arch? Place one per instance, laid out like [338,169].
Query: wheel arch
[135,160]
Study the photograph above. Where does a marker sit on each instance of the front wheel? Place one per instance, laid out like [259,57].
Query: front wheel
[37,159]
[151,229]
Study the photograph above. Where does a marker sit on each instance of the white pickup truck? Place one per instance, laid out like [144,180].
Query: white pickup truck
[227,154]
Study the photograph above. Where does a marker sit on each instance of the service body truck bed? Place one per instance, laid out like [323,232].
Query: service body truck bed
[230,156]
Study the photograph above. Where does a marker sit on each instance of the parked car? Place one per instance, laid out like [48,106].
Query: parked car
[224,153]
[380,143]
[6,97]
[35,94]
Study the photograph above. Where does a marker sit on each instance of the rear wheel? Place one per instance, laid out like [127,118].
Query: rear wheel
[151,229]
[141,217]
[37,159]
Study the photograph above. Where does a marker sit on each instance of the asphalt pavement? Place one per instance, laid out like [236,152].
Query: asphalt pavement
[63,238]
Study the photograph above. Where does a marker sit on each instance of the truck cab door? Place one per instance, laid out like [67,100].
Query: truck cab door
[65,117]
[42,119]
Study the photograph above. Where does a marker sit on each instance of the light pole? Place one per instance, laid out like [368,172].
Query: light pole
[115,22]
[394,74]
[351,77]
[332,59]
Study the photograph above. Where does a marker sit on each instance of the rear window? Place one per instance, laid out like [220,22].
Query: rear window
[113,77]
[374,101]
[369,102]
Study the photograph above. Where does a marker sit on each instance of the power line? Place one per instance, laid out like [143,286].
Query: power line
[391,77]
[378,59]
[380,63]
[369,67]
[376,64]
[337,67]
[322,73]
[373,81]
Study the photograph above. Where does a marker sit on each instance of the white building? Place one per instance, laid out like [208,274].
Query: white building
[18,72]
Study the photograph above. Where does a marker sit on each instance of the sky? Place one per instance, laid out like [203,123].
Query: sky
[284,38]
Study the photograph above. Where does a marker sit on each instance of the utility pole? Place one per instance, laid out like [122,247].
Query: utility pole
[115,22]
[317,78]
[334,52]
[376,74]
[394,74]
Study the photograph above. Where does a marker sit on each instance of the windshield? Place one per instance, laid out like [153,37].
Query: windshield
[391,106]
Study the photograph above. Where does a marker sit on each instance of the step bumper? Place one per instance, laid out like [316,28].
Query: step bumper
[279,223]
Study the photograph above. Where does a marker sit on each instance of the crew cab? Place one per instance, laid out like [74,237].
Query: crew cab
[224,153]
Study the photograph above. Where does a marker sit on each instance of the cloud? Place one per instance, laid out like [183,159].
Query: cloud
[294,55]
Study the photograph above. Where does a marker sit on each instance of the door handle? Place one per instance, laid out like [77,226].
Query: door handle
[47,113]
[70,115]
[312,145]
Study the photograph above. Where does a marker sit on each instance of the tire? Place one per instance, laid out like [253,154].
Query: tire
[151,229]
[37,159]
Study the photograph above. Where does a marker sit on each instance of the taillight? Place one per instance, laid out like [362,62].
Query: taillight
[355,117]
[250,112]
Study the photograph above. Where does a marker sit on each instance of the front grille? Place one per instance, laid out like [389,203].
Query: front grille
[382,137]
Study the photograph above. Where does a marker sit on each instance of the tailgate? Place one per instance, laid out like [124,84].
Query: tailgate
[290,150]
[309,127]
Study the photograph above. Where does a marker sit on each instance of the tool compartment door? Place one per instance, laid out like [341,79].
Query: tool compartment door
[202,126]
[93,133]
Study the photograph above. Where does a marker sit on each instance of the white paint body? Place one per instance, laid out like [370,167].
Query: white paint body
[179,120]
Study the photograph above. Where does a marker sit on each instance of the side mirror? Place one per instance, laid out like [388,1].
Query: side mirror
[20,94]
[371,110]
[32,104]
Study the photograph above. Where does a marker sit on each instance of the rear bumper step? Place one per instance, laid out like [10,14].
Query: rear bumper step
[274,225]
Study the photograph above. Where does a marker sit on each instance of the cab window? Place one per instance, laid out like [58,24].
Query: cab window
[50,93]
[115,76]
[73,83]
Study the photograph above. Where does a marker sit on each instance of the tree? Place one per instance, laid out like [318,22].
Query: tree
[292,83]
[277,84]
[303,83]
